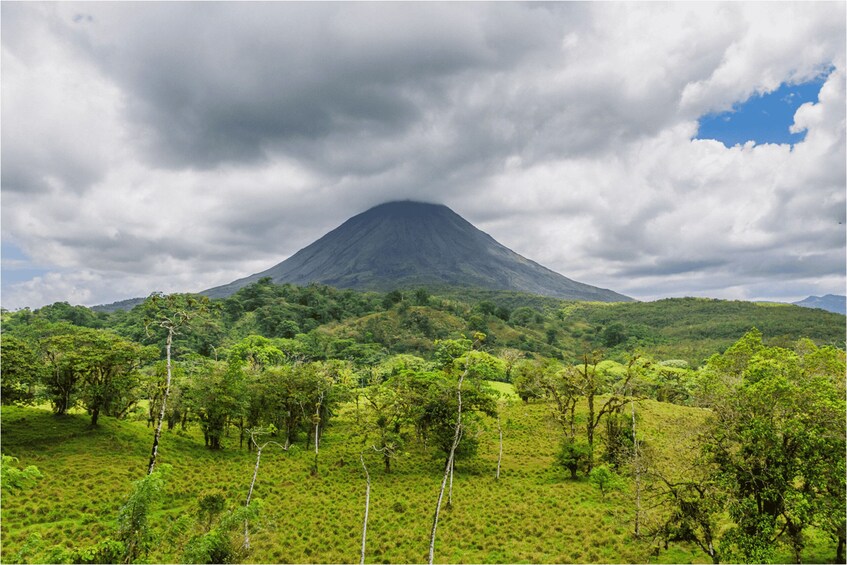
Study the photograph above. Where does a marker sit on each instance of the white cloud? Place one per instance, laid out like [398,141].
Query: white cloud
[180,146]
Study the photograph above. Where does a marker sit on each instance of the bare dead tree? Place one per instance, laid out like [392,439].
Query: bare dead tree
[367,506]
[448,469]
[452,468]
[259,448]
[171,318]
[317,419]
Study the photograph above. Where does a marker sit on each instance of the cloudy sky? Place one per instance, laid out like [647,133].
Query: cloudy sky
[175,147]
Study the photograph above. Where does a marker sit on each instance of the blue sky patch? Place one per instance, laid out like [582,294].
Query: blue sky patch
[762,118]
[16,266]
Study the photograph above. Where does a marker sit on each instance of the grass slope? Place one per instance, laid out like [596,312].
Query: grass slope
[533,514]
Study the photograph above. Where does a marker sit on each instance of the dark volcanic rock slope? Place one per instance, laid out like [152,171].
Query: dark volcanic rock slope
[411,244]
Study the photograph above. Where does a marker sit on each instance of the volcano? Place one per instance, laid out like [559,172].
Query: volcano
[413,244]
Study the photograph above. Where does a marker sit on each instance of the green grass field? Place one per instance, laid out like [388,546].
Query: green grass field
[533,514]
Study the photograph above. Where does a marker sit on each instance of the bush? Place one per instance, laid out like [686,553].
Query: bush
[573,456]
[604,479]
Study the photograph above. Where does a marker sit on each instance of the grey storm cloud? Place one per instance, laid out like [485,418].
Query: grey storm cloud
[237,84]
[177,146]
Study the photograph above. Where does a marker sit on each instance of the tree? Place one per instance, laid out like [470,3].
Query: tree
[695,511]
[367,507]
[564,387]
[209,506]
[253,435]
[216,395]
[590,383]
[773,449]
[250,357]
[61,380]
[133,529]
[169,313]
[613,334]
[572,455]
[220,545]
[421,297]
[604,478]
[22,370]
[448,469]
[527,378]
[480,400]
[96,367]
[384,417]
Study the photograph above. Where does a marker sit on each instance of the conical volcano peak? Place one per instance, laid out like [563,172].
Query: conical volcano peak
[403,244]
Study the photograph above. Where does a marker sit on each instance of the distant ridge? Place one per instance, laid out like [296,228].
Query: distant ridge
[830,302]
[127,305]
[410,244]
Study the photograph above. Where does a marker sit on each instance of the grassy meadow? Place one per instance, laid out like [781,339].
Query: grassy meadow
[532,514]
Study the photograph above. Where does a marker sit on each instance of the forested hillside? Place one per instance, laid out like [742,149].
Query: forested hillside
[480,426]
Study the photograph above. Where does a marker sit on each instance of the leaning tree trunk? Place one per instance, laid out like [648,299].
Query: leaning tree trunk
[452,469]
[250,493]
[448,468]
[367,506]
[158,433]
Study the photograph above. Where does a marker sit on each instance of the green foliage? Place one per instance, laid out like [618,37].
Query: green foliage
[447,351]
[23,370]
[255,351]
[15,479]
[527,378]
[695,508]
[775,445]
[210,506]
[605,479]
[134,530]
[220,544]
[573,456]
[106,551]
[216,395]
[614,334]
[293,358]
[305,519]
[97,368]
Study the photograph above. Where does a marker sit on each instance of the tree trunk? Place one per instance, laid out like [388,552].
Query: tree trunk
[317,432]
[589,431]
[449,467]
[839,550]
[95,413]
[158,433]
[450,488]
[241,435]
[500,455]
[637,465]
[367,506]
[712,553]
[249,494]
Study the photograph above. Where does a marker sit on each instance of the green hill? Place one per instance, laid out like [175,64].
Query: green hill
[292,360]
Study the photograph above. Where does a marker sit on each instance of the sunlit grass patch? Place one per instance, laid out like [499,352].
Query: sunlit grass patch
[532,514]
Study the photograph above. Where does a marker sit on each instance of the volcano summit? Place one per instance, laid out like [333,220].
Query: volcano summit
[413,244]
